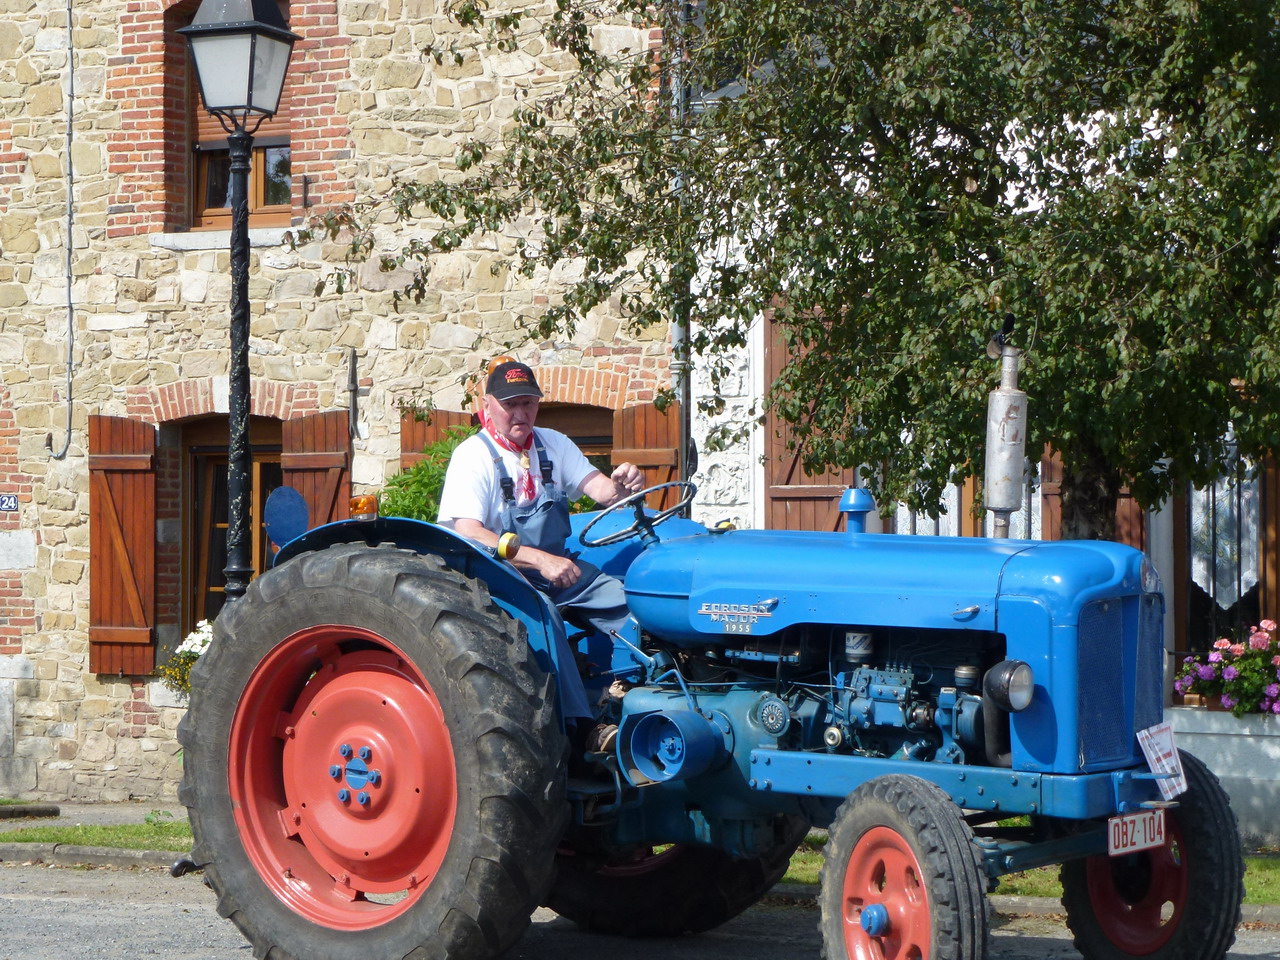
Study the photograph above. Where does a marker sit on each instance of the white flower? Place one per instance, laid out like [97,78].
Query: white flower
[197,641]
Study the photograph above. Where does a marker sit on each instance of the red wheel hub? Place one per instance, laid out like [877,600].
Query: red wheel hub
[342,777]
[883,879]
[1141,899]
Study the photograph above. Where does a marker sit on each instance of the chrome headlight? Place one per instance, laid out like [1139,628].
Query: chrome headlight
[1011,684]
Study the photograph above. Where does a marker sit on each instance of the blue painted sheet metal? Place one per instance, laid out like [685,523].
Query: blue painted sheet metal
[1079,797]
[680,588]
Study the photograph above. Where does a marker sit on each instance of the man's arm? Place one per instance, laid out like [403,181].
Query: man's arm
[626,479]
[559,571]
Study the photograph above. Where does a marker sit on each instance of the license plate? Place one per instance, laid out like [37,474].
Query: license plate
[1135,831]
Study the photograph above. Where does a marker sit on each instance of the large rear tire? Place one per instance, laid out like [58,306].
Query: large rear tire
[1176,902]
[902,878]
[666,892]
[373,763]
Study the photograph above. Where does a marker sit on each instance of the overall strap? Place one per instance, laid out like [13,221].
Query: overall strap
[504,478]
[544,462]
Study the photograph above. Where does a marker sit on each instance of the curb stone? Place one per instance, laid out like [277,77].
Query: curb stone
[15,811]
[66,854]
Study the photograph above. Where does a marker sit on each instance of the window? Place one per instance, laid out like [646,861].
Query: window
[270,166]
[205,443]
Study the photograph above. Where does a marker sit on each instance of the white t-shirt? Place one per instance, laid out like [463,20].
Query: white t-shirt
[472,490]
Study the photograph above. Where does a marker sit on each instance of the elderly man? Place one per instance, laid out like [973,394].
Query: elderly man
[511,478]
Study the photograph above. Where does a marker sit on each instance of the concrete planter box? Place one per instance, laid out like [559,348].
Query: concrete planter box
[1244,752]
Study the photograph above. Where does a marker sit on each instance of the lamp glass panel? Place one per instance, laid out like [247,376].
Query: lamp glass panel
[270,60]
[222,63]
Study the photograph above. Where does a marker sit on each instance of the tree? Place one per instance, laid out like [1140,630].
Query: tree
[895,177]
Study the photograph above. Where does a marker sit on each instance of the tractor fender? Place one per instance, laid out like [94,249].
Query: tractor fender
[507,587]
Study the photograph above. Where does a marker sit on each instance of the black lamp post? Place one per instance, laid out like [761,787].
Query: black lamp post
[241,50]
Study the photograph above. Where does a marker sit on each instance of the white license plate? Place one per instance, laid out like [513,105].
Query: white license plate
[1135,831]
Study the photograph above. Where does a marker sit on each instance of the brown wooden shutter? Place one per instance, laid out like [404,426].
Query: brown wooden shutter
[650,438]
[122,546]
[416,434]
[315,458]
[794,500]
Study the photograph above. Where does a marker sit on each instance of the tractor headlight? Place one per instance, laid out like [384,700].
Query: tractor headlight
[1011,684]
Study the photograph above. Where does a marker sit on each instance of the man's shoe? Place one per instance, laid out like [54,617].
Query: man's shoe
[602,737]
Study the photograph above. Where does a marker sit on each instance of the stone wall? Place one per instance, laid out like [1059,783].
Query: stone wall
[139,307]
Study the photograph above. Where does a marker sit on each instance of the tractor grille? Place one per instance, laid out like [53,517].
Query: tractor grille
[1106,727]
[1148,704]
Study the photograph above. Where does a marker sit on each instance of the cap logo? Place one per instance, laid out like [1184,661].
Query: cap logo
[517,376]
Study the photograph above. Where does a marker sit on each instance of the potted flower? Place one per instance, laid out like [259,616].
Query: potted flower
[175,672]
[1242,676]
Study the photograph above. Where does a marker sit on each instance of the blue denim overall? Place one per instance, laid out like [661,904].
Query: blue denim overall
[544,525]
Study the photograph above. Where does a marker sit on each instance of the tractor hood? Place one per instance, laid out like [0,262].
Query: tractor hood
[692,589]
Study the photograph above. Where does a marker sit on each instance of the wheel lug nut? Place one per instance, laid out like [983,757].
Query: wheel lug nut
[335,771]
[375,777]
[362,798]
[345,750]
[344,795]
[365,753]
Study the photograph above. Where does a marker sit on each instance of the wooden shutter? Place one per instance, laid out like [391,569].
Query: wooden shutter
[316,460]
[1131,519]
[416,434]
[794,500]
[122,546]
[650,438]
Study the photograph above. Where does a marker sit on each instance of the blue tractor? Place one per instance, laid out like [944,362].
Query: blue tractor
[376,766]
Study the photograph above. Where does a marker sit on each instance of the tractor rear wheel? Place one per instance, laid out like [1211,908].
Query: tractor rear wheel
[666,892]
[373,763]
[1176,902]
[902,878]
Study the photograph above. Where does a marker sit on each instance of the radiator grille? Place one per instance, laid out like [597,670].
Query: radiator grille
[1105,726]
[1149,696]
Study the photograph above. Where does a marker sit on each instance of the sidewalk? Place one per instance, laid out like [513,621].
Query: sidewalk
[17,817]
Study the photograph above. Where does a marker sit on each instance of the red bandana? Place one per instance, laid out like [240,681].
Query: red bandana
[526,492]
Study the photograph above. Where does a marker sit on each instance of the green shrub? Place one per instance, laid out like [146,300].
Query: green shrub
[415,493]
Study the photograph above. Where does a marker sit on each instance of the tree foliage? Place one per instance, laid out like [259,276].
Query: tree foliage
[892,179]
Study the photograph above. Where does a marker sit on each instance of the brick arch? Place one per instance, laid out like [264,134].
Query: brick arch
[193,398]
[596,388]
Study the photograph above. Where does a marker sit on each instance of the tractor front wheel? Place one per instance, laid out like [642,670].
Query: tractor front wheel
[902,878]
[373,762]
[1180,901]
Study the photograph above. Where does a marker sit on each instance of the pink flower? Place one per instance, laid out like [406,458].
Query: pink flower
[1275,661]
[1215,657]
[1221,644]
[1237,649]
[1268,625]
[1259,641]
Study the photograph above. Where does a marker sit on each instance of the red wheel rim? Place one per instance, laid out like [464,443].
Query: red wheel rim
[341,775]
[883,871]
[1141,899]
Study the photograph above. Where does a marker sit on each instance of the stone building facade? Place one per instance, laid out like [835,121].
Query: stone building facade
[114,282]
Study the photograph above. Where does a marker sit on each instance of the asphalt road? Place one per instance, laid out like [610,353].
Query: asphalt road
[61,913]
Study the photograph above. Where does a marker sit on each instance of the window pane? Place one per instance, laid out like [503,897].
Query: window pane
[277,183]
[217,191]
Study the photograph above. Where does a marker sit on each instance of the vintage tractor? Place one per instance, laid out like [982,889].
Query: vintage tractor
[376,766]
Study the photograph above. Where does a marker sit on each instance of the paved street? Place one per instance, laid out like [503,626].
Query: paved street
[53,913]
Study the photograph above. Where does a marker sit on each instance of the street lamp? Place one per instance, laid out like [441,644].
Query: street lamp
[241,50]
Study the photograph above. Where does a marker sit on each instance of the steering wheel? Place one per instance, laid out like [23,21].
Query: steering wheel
[643,524]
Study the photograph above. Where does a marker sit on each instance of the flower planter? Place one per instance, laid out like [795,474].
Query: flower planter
[1244,752]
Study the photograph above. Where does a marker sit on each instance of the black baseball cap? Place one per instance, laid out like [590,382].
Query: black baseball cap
[512,379]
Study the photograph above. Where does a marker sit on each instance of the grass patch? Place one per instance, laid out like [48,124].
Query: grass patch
[159,831]
[10,802]
[807,860]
